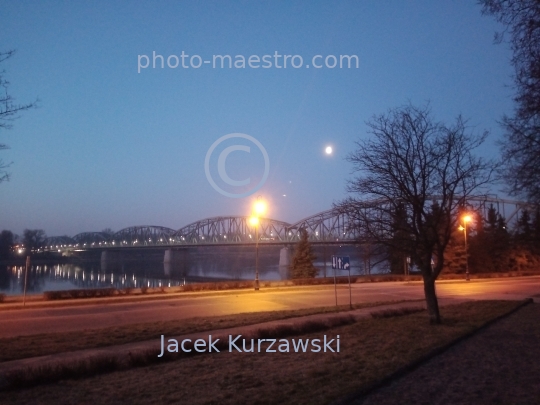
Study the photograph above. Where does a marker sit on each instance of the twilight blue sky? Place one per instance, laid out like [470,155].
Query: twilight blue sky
[111,147]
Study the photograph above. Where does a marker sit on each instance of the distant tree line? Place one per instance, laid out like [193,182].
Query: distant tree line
[491,245]
[32,239]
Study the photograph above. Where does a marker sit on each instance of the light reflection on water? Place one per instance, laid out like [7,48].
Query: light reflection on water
[133,270]
[56,277]
[69,276]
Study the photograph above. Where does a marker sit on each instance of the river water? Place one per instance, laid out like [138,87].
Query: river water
[135,269]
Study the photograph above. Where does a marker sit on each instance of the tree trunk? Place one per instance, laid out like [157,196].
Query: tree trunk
[431,300]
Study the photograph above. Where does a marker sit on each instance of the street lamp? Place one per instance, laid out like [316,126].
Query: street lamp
[466,218]
[259,208]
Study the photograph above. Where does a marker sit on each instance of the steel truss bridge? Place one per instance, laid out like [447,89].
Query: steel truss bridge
[328,227]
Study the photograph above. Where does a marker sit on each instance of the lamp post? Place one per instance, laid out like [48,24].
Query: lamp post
[259,209]
[466,218]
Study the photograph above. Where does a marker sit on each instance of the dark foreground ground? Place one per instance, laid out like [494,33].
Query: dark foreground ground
[498,365]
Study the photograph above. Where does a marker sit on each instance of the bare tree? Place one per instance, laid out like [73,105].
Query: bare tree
[108,232]
[33,239]
[7,240]
[9,111]
[521,144]
[426,171]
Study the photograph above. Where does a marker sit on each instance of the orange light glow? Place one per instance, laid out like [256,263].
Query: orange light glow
[260,207]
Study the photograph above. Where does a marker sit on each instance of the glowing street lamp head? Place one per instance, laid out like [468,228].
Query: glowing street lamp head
[260,207]
[467,218]
[254,221]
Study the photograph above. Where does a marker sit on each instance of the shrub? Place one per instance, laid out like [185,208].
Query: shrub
[126,291]
[389,313]
[69,294]
[320,281]
[28,377]
[229,285]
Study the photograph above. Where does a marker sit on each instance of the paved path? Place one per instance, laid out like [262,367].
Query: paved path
[498,365]
[17,322]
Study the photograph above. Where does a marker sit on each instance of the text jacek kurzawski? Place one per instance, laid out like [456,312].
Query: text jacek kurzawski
[238,344]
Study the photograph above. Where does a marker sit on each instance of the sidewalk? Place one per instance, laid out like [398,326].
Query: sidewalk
[123,352]
[498,365]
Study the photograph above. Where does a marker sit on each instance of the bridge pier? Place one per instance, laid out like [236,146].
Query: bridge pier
[110,258]
[169,258]
[176,259]
[173,256]
[285,260]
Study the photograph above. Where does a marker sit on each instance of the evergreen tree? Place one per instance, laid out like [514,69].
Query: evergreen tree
[525,252]
[501,225]
[489,247]
[399,249]
[536,230]
[524,228]
[456,256]
[302,262]
[491,225]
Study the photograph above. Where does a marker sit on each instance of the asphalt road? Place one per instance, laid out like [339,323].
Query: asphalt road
[31,321]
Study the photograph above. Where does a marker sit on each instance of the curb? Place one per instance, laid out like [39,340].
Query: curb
[128,299]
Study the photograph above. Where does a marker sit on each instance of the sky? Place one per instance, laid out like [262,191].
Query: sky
[115,144]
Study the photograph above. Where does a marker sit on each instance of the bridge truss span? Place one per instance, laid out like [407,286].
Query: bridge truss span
[336,225]
[508,209]
[230,230]
[328,226]
[145,235]
[85,239]
[55,242]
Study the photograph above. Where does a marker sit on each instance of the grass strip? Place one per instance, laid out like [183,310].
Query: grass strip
[372,349]
[388,313]
[31,376]
[23,347]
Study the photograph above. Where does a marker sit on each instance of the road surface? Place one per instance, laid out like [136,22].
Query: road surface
[31,321]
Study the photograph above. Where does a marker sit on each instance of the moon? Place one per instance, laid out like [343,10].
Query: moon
[328,150]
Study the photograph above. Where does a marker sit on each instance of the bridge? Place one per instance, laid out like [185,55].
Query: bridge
[332,226]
